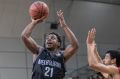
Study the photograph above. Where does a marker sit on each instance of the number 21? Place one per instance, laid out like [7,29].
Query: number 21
[48,72]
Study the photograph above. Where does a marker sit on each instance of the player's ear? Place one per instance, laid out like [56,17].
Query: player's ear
[113,61]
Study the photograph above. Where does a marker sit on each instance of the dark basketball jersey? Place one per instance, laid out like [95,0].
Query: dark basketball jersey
[48,66]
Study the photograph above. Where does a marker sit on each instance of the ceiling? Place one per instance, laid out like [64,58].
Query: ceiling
[116,2]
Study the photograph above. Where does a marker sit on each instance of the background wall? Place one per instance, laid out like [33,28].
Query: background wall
[16,60]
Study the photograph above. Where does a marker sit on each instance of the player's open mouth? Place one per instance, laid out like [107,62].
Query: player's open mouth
[49,43]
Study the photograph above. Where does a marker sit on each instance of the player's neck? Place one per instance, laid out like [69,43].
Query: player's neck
[53,50]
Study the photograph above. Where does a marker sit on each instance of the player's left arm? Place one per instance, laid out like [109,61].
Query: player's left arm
[94,63]
[72,48]
[105,68]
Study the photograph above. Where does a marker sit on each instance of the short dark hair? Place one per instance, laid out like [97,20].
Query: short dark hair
[115,54]
[58,37]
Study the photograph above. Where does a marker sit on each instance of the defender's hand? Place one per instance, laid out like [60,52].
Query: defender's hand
[91,36]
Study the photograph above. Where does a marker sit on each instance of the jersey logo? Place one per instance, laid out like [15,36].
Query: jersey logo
[50,63]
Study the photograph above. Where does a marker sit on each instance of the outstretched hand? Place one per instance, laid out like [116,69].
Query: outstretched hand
[91,36]
[61,18]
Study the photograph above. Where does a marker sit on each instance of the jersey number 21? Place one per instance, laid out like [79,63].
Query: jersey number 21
[48,72]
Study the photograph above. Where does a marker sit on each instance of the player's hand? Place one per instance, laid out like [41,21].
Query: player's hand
[91,36]
[61,18]
[38,20]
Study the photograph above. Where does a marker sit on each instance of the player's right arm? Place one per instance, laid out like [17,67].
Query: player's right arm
[28,40]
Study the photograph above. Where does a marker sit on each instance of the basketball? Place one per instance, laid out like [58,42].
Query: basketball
[38,9]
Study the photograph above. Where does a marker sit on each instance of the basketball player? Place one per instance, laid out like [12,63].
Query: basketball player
[49,60]
[110,66]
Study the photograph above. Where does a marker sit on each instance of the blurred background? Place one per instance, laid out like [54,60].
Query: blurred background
[80,15]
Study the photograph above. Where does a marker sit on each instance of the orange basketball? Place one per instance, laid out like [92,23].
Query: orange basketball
[38,9]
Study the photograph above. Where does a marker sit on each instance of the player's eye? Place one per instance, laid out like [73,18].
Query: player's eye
[53,37]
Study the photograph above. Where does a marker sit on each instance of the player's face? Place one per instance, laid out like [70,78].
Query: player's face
[107,59]
[51,41]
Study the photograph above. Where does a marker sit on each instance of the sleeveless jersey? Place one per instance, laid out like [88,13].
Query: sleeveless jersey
[47,66]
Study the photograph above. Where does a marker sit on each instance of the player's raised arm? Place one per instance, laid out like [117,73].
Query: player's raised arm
[73,46]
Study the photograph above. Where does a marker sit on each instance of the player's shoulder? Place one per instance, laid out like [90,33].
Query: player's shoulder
[40,49]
